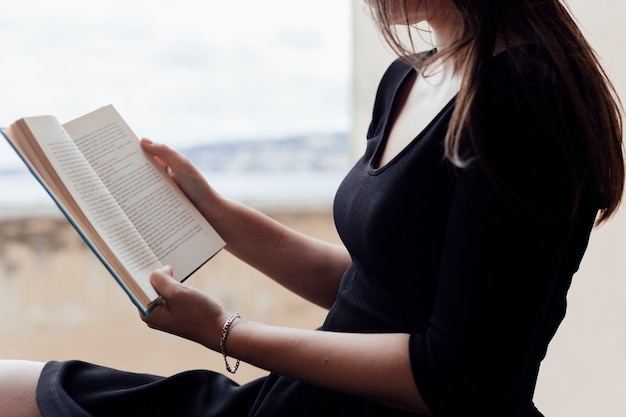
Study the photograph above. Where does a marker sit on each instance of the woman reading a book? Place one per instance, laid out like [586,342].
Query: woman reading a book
[489,159]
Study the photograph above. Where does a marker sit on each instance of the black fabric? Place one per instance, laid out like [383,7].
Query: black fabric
[476,271]
[101,391]
[80,389]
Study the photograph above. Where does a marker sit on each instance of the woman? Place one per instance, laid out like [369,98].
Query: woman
[488,161]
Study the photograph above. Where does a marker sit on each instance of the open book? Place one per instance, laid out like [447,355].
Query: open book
[126,208]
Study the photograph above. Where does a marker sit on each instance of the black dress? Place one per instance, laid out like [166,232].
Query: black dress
[473,263]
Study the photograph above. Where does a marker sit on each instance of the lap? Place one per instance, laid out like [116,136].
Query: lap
[81,389]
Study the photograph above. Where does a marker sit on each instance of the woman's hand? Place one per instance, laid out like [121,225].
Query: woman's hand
[185,311]
[186,175]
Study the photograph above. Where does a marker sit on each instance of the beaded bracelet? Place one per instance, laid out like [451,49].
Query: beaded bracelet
[225,331]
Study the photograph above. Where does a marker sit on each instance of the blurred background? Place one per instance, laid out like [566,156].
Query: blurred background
[264,97]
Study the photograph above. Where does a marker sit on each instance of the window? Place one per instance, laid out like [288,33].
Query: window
[187,72]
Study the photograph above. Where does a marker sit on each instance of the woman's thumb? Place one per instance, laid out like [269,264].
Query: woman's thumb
[162,280]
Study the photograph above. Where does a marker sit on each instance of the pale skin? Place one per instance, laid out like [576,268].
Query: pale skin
[376,366]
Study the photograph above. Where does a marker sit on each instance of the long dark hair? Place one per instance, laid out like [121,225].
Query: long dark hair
[586,88]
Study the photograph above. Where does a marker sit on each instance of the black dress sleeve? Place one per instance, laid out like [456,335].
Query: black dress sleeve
[511,246]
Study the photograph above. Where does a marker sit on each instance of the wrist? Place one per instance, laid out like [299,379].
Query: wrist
[229,323]
[214,208]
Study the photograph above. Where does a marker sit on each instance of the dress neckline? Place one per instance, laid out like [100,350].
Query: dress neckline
[384,136]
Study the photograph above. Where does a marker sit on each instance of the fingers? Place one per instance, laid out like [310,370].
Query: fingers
[162,152]
[163,282]
[165,285]
[171,161]
[157,152]
[152,147]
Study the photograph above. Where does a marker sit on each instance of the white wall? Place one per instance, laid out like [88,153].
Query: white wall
[584,373]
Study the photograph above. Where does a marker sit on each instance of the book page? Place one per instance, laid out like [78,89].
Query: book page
[95,201]
[171,226]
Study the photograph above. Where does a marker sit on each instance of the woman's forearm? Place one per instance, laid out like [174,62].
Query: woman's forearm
[307,266]
[376,366]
